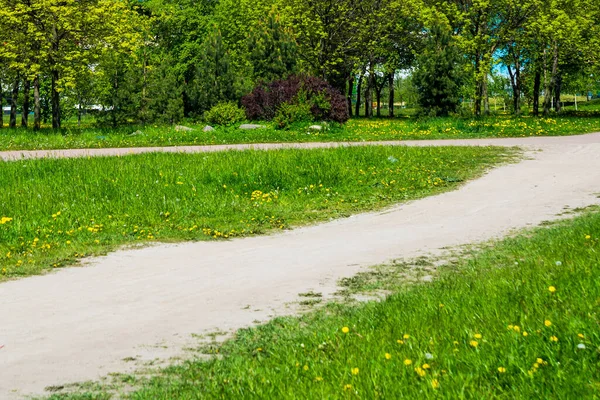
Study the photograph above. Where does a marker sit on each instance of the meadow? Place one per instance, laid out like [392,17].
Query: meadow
[358,129]
[517,319]
[56,211]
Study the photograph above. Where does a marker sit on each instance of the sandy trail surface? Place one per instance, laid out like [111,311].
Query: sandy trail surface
[79,324]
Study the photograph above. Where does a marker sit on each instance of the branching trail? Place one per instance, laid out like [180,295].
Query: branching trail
[81,323]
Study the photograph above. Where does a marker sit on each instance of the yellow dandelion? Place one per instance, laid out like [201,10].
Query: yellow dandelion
[400,341]
[407,362]
[345,329]
[348,387]
[539,361]
[318,378]
[435,384]
[587,237]
[425,366]
[547,323]
[553,339]
[305,368]
[552,289]
[406,336]
[501,370]
[580,336]
[355,371]
[478,336]
[420,371]
[474,343]
[388,356]
[517,329]
[525,334]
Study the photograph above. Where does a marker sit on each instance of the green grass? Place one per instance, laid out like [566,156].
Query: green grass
[519,320]
[55,211]
[354,130]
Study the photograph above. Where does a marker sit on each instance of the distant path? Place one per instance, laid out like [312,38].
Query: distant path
[507,142]
[79,324]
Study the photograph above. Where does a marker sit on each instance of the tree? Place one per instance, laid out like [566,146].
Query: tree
[65,37]
[214,79]
[272,49]
[439,74]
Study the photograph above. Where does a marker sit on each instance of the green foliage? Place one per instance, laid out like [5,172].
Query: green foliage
[518,320]
[214,78]
[272,49]
[289,114]
[227,113]
[88,206]
[439,74]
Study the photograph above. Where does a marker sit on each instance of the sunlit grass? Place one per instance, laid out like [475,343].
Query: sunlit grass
[58,210]
[354,130]
[519,320]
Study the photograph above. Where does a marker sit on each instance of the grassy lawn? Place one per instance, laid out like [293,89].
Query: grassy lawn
[519,320]
[53,212]
[354,130]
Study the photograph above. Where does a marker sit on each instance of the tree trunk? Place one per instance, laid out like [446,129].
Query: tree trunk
[358,99]
[486,98]
[548,95]
[378,98]
[37,106]
[13,104]
[25,114]
[537,81]
[478,86]
[391,98]
[515,83]
[557,93]
[369,96]
[55,99]
[350,92]
[1,107]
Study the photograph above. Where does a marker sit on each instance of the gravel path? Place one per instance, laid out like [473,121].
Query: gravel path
[72,153]
[81,323]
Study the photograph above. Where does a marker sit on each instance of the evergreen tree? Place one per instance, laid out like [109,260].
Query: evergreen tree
[214,80]
[439,74]
[272,50]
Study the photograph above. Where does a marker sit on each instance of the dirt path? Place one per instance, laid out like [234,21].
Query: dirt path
[80,323]
[72,153]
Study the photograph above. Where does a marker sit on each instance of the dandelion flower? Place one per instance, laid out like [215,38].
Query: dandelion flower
[425,366]
[547,323]
[539,361]
[552,289]
[355,371]
[388,356]
[420,371]
[580,336]
[406,336]
[318,378]
[478,336]
[400,341]
[345,329]
[305,368]
[474,343]
[553,339]
[435,384]
[407,362]
[587,237]
[517,329]
[501,370]
[348,387]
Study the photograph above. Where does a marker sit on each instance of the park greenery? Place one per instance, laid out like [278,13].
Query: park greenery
[516,319]
[123,62]
[57,211]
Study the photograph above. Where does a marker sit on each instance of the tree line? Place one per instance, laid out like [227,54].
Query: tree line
[148,61]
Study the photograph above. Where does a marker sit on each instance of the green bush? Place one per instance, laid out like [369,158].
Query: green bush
[288,114]
[225,114]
